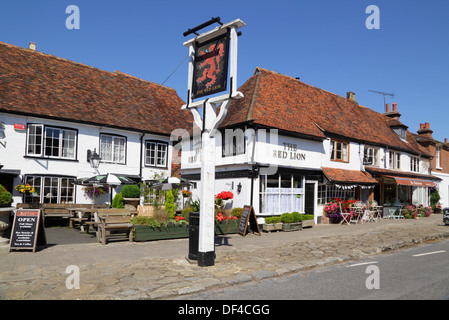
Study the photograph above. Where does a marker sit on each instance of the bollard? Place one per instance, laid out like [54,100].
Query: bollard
[194,234]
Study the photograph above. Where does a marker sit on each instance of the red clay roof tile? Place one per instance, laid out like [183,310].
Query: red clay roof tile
[279,101]
[36,83]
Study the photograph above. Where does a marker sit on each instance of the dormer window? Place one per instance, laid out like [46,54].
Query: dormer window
[400,131]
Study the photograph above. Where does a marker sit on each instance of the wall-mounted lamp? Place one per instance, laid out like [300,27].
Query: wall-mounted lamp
[239,187]
[93,158]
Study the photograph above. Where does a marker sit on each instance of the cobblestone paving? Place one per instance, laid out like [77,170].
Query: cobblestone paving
[160,270]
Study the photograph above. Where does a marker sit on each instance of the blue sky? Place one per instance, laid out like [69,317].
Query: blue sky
[324,42]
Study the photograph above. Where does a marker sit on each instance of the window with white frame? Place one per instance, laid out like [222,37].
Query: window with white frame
[326,192]
[112,148]
[414,164]
[370,156]
[50,189]
[401,132]
[156,153]
[51,142]
[339,151]
[437,157]
[281,193]
[395,160]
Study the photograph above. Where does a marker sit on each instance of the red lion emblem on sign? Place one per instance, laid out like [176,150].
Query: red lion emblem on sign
[211,63]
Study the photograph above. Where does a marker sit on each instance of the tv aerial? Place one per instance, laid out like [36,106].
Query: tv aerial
[383,93]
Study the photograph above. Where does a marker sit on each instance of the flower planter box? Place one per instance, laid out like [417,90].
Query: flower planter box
[147,233]
[292,226]
[226,227]
[307,223]
[268,227]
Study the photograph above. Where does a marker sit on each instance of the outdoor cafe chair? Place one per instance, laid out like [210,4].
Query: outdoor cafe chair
[346,216]
[377,211]
[360,214]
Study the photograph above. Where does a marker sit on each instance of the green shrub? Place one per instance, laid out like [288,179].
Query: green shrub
[131,191]
[194,205]
[296,217]
[186,213]
[5,197]
[271,220]
[287,218]
[170,204]
[307,216]
[118,201]
[237,212]
[147,221]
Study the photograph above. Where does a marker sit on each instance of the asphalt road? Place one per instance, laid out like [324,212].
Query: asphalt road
[418,273]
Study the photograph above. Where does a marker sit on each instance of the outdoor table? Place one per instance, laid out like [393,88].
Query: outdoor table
[89,220]
[389,212]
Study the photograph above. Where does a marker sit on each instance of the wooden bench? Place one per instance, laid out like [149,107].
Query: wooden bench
[114,224]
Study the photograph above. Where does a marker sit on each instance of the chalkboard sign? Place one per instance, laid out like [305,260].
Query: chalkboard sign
[446,215]
[27,230]
[248,216]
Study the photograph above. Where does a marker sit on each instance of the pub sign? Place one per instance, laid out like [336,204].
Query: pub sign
[210,67]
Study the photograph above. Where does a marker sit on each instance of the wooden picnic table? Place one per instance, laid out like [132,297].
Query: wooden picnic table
[85,217]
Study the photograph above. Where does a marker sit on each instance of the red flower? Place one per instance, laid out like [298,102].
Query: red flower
[225,195]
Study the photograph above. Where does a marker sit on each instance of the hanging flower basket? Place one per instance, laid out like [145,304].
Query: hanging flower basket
[24,188]
[93,192]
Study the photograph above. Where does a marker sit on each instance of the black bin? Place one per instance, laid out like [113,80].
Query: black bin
[194,235]
[446,216]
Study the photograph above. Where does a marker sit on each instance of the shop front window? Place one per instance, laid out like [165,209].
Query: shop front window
[281,193]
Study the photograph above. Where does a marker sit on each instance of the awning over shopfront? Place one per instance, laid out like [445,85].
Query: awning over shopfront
[412,182]
[405,178]
[342,176]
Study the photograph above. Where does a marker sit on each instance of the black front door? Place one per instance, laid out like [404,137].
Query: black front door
[309,204]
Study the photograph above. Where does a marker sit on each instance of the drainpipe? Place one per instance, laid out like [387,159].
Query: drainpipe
[141,154]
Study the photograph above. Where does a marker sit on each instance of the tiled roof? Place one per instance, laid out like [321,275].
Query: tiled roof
[348,176]
[279,101]
[40,84]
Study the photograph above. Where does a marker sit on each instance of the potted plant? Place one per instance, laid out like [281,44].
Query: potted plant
[131,194]
[291,221]
[272,224]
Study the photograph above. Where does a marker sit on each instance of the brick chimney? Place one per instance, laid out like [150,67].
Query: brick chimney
[394,114]
[425,131]
[445,140]
[350,95]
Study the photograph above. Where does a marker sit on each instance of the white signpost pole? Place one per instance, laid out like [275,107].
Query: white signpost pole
[208,123]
